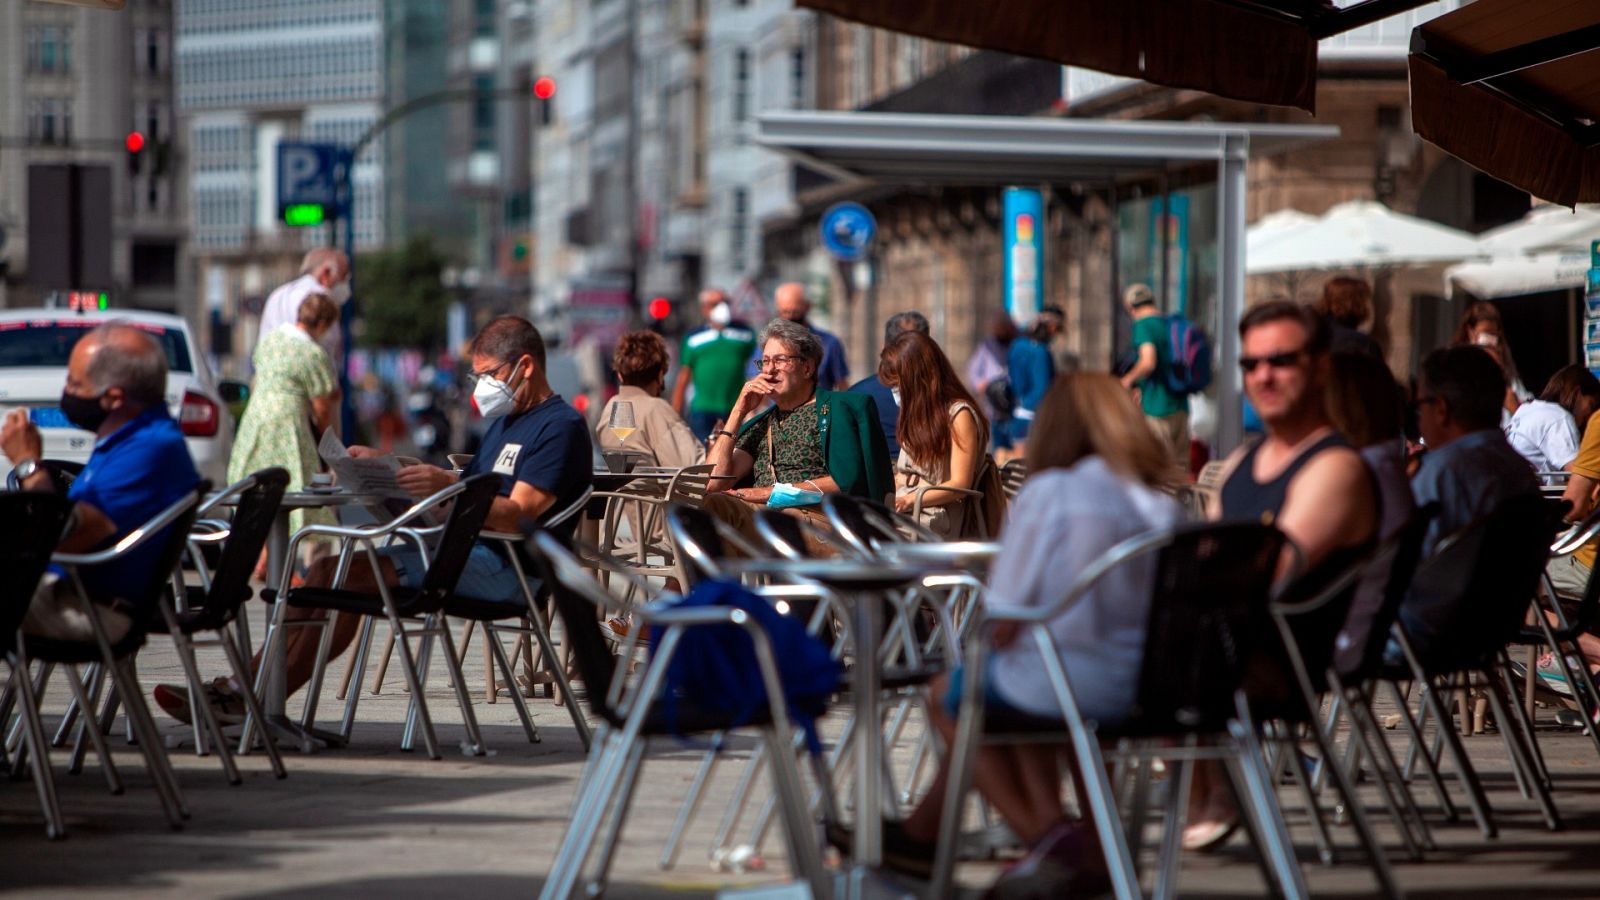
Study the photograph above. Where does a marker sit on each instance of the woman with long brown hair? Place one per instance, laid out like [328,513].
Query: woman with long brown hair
[942,433]
[1098,478]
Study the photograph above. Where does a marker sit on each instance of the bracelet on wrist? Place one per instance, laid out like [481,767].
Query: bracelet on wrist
[723,431]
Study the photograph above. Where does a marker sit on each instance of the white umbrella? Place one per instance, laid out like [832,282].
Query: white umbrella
[1544,229]
[1274,227]
[1513,276]
[1363,234]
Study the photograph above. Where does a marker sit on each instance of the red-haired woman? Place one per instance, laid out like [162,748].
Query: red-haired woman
[942,433]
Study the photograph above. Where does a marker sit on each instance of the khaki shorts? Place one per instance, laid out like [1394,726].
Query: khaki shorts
[1173,431]
[57,612]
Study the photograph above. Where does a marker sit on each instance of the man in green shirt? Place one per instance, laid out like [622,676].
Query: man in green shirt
[1166,411]
[712,360]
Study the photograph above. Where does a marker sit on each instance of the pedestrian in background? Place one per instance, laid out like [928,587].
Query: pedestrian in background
[1481,326]
[1032,369]
[712,361]
[942,433]
[1347,305]
[888,399]
[791,303]
[1166,410]
[296,397]
[990,381]
[325,271]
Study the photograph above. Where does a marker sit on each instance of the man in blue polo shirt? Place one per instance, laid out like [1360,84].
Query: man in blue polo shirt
[116,387]
[537,444]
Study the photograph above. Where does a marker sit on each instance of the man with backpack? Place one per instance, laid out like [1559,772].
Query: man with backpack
[1166,409]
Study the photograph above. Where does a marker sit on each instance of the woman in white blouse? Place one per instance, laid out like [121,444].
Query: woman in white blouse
[1098,470]
[1546,431]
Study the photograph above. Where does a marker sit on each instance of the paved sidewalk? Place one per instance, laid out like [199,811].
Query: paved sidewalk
[370,820]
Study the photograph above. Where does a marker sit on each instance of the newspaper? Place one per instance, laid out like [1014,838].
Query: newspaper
[367,475]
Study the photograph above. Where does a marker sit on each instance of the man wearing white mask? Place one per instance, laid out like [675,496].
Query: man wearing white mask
[324,270]
[712,360]
[536,443]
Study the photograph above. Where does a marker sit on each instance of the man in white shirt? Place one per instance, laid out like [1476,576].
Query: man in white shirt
[324,270]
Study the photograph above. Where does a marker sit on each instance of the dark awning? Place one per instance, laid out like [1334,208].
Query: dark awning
[1513,88]
[1263,51]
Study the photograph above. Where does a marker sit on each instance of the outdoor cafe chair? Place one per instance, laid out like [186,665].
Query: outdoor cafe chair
[630,713]
[1560,637]
[528,622]
[1486,573]
[1309,628]
[1207,629]
[469,501]
[641,510]
[172,526]
[214,606]
[30,524]
[1012,475]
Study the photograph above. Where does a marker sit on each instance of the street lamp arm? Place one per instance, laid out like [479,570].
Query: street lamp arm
[426,101]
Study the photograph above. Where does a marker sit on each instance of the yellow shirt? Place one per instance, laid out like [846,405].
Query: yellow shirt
[1587,464]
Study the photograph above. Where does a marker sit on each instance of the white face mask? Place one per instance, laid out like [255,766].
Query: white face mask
[720,315]
[896,392]
[340,293]
[494,397]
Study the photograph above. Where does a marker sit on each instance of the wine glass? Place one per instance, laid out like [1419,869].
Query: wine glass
[622,422]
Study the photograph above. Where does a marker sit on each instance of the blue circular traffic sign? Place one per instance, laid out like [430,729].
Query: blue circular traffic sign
[847,231]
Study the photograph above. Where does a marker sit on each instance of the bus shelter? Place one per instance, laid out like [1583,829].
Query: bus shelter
[975,151]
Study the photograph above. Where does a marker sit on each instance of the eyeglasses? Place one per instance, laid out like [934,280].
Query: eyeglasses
[474,377]
[780,361]
[1274,361]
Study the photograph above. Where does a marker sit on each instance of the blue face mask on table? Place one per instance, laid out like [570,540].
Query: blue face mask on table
[784,496]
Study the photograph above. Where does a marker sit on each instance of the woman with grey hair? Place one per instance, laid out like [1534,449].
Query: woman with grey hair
[808,441]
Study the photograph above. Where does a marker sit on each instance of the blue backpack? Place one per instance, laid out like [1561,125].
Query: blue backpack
[715,666]
[1188,369]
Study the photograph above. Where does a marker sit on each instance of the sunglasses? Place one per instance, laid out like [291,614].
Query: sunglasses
[1275,361]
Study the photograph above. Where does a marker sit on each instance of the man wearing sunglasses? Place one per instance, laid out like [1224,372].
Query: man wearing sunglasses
[1302,476]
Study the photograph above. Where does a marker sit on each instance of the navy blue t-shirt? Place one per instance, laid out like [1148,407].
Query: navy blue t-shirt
[134,472]
[888,410]
[547,447]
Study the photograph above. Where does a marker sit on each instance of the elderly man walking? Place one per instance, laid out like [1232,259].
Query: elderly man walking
[324,270]
[791,303]
[711,361]
[116,387]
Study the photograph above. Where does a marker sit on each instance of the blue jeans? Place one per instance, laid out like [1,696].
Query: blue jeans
[703,423]
[488,574]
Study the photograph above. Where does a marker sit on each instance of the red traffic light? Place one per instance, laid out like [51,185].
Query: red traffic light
[134,142]
[544,87]
[660,308]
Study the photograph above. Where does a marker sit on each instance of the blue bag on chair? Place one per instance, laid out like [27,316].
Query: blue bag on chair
[715,666]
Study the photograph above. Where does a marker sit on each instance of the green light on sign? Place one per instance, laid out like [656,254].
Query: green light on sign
[105,301]
[300,214]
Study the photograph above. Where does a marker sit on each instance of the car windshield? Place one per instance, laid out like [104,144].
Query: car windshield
[46,343]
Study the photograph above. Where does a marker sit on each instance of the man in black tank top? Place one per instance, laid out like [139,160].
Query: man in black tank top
[1302,477]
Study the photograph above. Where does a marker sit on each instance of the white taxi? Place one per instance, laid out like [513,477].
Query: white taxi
[35,345]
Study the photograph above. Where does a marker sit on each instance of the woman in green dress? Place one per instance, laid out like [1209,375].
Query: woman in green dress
[294,388]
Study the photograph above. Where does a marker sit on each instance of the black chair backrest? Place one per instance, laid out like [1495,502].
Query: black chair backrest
[467,512]
[253,516]
[1373,635]
[31,523]
[694,530]
[1208,625]
[590,650]
[784,534]
[173,544]
[1479,582]
[850,518]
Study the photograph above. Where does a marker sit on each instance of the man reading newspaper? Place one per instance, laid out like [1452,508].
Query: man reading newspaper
[537,444]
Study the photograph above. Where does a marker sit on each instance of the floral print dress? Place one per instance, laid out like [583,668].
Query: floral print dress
[291,370]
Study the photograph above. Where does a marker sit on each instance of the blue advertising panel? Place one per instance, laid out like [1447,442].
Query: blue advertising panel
[1022,230]
[1591,298]
[1173,218]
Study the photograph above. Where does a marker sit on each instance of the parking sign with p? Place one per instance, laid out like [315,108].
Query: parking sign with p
[308,189]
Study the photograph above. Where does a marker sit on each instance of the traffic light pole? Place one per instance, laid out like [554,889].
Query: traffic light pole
[343,227]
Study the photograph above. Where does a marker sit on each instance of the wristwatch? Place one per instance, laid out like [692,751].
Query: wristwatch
[25,469]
